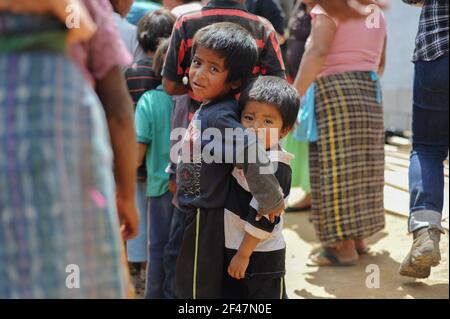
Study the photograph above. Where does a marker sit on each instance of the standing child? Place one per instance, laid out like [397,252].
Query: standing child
[224,55]
[141,78]
[153,134]
[255,247]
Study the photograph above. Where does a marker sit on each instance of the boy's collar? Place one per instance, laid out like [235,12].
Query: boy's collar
[225,4]
[229,96]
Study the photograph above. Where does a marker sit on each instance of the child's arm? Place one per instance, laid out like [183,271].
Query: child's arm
[244,145]
[240,261]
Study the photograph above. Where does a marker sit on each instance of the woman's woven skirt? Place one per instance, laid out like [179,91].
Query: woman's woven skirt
[347,162]
[59,230]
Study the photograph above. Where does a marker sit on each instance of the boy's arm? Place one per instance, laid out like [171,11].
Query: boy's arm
[173,70]
[263,184]
[272,59]
[143,124]
[240,261]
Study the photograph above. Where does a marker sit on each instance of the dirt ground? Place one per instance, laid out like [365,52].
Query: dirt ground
[388,249]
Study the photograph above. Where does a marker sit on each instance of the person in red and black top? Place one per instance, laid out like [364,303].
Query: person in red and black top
[179,55]
[152,28]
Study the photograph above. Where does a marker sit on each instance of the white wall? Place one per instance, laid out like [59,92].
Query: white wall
[402,22]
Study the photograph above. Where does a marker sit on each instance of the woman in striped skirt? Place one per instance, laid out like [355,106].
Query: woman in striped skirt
[342,59]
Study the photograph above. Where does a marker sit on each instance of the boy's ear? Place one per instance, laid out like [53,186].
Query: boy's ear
[286,131]
[235,85]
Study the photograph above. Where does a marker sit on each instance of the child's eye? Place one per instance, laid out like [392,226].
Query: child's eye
[214,69]
[196,62]
[268,122]
[248,118]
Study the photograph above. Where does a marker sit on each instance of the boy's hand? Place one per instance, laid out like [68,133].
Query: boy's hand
[128,217]
[238,266]
[172,186]
[277,212]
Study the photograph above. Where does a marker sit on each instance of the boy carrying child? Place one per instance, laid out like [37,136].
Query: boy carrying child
[224,55]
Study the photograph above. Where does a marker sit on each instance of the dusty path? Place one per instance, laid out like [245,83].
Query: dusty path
[389,247]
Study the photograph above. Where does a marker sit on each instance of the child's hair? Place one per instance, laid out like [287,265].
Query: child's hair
[231,42]
[274,91]
[153,27]
[160,56]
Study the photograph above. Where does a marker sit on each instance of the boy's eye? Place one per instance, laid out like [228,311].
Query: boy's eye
[214,69]
[195,62]
[248,118]
[268,122]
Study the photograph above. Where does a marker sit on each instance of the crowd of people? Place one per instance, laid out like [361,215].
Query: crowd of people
[116,155]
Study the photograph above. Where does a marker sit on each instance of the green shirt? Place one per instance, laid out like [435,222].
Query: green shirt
[152,120]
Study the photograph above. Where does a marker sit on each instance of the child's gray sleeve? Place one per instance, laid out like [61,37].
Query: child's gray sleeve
[259,172]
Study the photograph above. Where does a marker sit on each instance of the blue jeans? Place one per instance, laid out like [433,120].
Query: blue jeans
[160,219]
[137,247]
[172,251]
[430,143]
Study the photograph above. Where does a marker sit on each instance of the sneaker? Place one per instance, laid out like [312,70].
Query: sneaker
[424,253]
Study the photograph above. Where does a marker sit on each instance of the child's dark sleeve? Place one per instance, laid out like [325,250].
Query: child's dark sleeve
[242,145]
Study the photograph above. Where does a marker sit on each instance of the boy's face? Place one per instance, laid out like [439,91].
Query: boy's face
[265,120]
[208,75]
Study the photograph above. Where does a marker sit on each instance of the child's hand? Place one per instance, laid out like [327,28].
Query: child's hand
[274,214]
[172,186]
[238,266]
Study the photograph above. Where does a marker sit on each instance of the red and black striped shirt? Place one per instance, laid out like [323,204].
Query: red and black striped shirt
[141,78]
[179,55]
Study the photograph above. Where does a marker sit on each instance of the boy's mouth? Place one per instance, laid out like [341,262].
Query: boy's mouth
[198,86]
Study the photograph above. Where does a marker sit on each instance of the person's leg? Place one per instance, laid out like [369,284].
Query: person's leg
[172,251]
[160,219]
[200,264]
[137,247]
[426,176]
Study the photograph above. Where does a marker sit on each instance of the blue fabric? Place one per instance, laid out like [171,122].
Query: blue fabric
[306,130]
[160,220]
[375,78]
[140,9]
[137,247]
[430,136]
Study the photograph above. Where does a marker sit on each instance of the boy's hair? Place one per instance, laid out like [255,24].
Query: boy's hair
[153,27]
[231,42]
[160,56]
[274,91]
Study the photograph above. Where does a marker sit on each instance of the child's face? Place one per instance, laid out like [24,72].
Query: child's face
[208,75]
[264,118]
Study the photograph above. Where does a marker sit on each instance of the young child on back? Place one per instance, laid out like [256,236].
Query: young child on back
[224,55]
[255,247]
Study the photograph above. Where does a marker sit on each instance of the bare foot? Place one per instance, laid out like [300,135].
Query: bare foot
[361,246]
[345,251]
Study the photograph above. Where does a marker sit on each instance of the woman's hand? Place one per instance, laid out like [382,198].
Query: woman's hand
[128,217]
[71,12]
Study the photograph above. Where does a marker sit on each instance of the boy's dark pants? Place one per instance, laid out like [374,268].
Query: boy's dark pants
[172,251]
[254,288]
[200,264]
